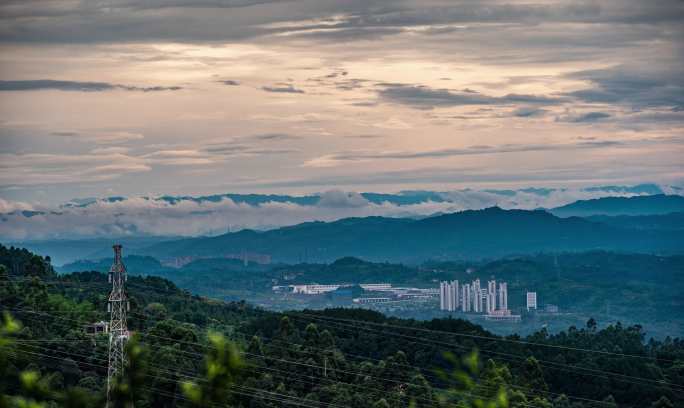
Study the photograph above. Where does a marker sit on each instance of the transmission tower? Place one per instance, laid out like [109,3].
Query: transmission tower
[118,330]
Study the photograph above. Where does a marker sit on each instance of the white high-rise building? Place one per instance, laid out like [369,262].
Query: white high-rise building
[491,296]
[448,296]
[531,300]
[503,296]
[477,296]
[471,297]
[466,301]
[442,295]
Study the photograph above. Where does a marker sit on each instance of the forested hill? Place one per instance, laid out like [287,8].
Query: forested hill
[332,358]
[638,287]
[670,221]
[469,234]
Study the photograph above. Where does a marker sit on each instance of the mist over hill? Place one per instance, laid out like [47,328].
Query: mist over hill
[191,216]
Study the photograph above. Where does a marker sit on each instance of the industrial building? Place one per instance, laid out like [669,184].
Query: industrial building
[316,289]
[381,292]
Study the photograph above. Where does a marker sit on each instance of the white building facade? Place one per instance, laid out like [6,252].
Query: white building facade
[531,300]
[503,296]
[448,296]
[471,297]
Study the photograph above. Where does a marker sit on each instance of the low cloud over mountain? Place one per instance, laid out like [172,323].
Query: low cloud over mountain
[211,215]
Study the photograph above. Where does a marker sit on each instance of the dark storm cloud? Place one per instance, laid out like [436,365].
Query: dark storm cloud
[640,88]
[274,137]
[476,150]
[287,88]
[423,97]
[239,149]
[588,117]
[65,134]
[220,20]
[387,17]
[526,112]
[159,4]
[76,86]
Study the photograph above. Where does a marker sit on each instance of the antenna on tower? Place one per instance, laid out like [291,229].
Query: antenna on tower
[118,330]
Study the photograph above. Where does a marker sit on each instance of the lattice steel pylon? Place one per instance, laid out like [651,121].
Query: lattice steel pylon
[118,329]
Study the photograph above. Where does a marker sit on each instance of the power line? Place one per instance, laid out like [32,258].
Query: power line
[475,336]
[507,356]
[496,339]
[548,364]
[481,337]
[206,346]
[188,376]
[273,359]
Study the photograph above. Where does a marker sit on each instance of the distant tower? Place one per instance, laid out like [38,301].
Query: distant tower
[118,330]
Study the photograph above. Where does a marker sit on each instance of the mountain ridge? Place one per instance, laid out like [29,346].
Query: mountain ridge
[657,204]
[466,234]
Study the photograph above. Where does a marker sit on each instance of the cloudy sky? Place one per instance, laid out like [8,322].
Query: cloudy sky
[124,97]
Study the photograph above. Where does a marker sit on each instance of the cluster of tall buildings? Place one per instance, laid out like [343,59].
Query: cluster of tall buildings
[471,297]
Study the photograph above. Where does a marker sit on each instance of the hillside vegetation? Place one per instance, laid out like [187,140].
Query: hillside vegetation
[346,358]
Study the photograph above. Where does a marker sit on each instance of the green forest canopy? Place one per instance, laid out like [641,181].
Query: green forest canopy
[336,357]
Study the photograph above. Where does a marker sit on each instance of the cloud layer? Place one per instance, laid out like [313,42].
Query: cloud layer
[76,86]
[191,216]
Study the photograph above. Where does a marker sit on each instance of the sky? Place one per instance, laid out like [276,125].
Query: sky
[191,97]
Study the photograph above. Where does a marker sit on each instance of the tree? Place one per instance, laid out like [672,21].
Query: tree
[662,402]
[381,403]
[311,335]
[286,327]
[130,387]
[532,377]
[255,346]
[36,390]
[608,402]
[8,327]
[222,363]
[467,389]
[327,340]
[419,392]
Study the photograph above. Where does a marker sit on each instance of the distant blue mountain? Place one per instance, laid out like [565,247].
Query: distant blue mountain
[670,221]
[638,205]
[469,234]
[63,251]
